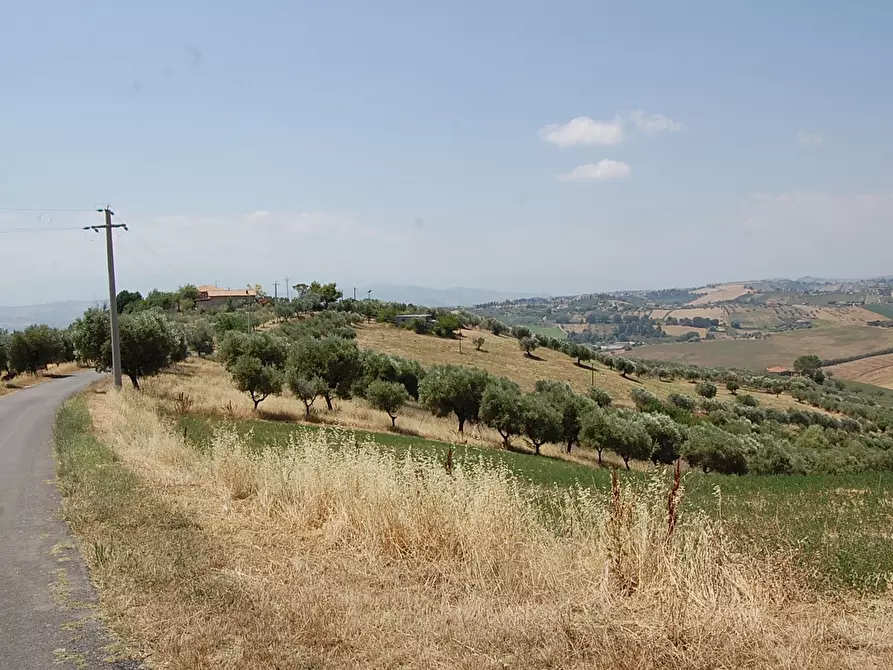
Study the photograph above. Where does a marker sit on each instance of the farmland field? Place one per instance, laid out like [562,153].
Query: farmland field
[876,370]
[548,331]
[676,331]
[692,312]
[716,294]
[885,310]
[777,349]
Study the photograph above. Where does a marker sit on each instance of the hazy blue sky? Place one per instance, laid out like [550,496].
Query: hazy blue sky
[549,147]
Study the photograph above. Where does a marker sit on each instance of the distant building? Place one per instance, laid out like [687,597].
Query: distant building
[780,370]
[214,296]
[403,319]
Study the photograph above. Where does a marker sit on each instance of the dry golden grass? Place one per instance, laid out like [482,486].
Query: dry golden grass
[877,370]
[852,316]
[324,555]
[722,293]
[676,331]
[27,380]
[501,356]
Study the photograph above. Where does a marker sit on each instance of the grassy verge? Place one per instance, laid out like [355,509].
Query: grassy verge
[835,524]
[145,555]
[333,554]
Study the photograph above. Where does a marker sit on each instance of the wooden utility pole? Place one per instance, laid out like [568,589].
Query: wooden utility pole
[113,293]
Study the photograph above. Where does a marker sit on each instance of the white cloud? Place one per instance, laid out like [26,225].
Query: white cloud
[604,169]
[652,124]
[583,130]
[810,139]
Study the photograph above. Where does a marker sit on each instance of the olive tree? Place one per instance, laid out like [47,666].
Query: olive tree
[540,420]
[594,430]
[624,366]
[147,343]
[35,348]
[334,360]
[528,344]
[571,406]
[201,338]
[732,386]
[4,350]
[713,449]
[453,389]
[706,389]
[501,408]
[628,438]
[305,389]
[258,380]
[388,397]
[601,397]
[666,435]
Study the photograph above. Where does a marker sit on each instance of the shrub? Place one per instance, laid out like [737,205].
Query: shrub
[747,400]
[644,400]
[601,397]
[478,343]
[681,401]
[706,389]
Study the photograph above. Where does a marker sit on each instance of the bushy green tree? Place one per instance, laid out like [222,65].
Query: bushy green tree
[666,435]
[807,365]
[528,345]
[706,389]
[497,327]
[453,389]
[258,380]
[541,421]
[305,389]
[714,450]
[681,401]
[732,386]
[595,430]
[90,334]
[624,366]
[4,350]
[521,331]
[34,348]
[388,397]
[268,348]
[571,406]
[446,325]
[334,360]
[125,299]
[627,437]
[501,408]
[147,341]
[601,397]
[645,400]
[201,338]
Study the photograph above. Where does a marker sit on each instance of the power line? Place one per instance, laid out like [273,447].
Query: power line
[44,209]
[38,230]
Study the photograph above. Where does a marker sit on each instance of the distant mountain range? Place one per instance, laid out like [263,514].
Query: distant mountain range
[55,314]
[431,297]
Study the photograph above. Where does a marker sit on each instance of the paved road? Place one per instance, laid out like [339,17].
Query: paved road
[47,617]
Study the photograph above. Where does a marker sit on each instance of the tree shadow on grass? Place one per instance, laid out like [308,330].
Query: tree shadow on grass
[278,415]
[533,357]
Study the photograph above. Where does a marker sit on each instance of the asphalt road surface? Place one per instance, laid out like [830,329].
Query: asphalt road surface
[47,605]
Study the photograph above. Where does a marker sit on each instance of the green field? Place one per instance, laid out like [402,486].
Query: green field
[549,331]
[885,310]
[837,525]
[831,341]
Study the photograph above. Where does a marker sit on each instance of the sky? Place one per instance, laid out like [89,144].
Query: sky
[560,147]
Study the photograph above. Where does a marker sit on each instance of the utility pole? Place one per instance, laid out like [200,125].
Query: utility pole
[286,289]
[275,291]
[113,293]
